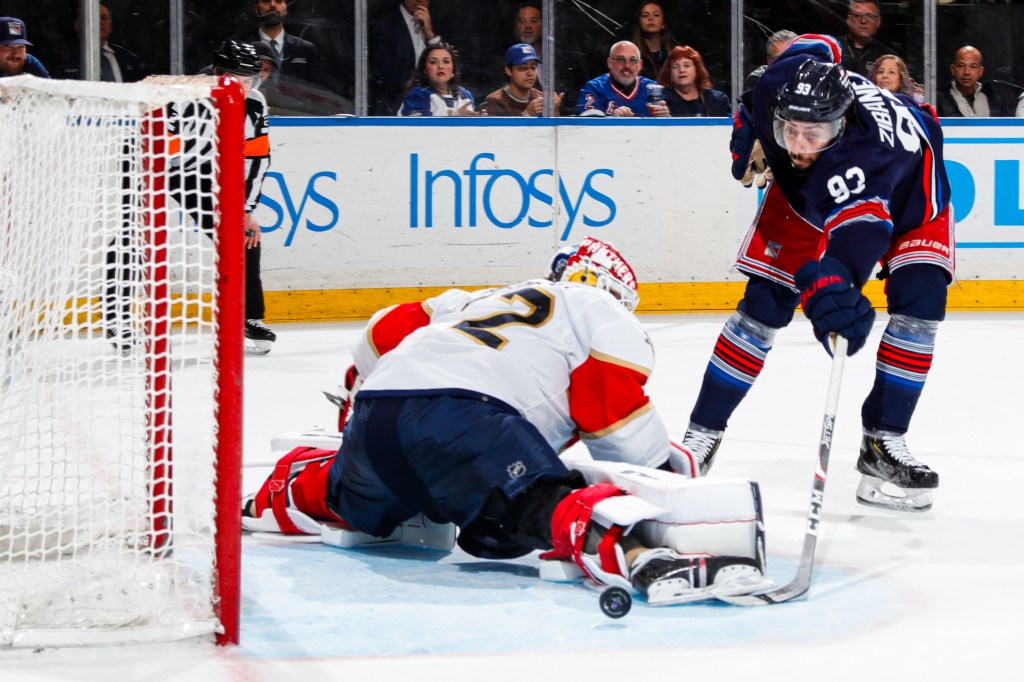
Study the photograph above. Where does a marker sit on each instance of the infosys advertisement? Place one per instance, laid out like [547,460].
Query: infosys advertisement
[350,205]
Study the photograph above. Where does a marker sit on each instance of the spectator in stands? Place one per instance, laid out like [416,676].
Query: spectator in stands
[519,97]
[651,35]
[890,72]
[398,38]
[296,58]
[1020,107]
[14,57]
[688,86]
[967,95]
[117,64]
[527,26]
[621,91]
[773,47]
[438,92]
[860,50]
[268,61]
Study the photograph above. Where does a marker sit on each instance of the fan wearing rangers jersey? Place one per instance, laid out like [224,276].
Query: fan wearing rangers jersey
[462,420]
[858,180]
[622,91]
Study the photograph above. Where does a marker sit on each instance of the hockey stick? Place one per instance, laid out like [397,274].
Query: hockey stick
[800,584]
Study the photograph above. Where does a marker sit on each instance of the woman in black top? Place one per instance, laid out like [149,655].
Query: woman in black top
[688,86]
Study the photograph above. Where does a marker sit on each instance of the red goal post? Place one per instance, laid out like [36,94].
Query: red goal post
[120,360]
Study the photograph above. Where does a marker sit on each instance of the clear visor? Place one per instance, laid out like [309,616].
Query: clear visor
[803,137]
[248,82]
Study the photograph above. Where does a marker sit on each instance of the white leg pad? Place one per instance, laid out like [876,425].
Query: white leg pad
[703,516]
[315,437]
[416,532]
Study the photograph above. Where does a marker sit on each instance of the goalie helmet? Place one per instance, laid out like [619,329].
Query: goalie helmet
[557,265]
[598,264]
[817,93]
[237,58]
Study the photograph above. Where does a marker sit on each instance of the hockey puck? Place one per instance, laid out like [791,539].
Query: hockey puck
[616,602]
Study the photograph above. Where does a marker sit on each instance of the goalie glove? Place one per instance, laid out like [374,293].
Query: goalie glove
[833,304]
[757,171]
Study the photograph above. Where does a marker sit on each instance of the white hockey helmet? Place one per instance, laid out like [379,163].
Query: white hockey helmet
[598,264]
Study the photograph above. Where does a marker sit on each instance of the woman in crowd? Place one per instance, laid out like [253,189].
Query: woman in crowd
[688,86]
[437,91]
[652,37]
[890,72]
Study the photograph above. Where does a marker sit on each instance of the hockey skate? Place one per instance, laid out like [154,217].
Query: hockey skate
[703,443]
[892,478]
[121,340]
[260,337]
[667,578]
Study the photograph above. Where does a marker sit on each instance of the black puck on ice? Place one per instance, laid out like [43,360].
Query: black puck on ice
[616,602]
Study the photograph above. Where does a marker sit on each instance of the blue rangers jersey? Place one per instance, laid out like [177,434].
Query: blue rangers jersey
[883,177]
[602,94]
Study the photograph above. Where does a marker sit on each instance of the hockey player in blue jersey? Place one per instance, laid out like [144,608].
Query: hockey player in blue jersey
[858,180]
[622,91]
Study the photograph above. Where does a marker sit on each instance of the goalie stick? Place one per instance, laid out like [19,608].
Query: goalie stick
[802,582]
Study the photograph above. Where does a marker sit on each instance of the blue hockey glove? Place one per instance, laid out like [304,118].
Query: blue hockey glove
[742,142]
[833,304]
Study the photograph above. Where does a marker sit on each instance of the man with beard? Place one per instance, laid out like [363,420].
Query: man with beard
[621,91]
[14,58]
[296,58]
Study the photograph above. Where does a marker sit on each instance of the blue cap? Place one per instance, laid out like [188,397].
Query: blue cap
[12,31]
[520,53]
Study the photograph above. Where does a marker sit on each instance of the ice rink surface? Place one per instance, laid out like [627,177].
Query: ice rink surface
[932,596]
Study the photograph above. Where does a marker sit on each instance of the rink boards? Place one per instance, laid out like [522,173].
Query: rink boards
[360,213]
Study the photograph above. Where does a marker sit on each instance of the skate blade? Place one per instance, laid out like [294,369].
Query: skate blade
[259,347]
[672,592]
[871,494]
[741,585]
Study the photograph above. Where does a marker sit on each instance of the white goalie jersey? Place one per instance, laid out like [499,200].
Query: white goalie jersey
[567,356]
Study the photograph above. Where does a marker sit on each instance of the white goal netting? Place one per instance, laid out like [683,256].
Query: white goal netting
[110,362]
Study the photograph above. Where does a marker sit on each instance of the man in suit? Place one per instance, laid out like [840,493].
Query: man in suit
[397,38]
[117,64]
[296,58]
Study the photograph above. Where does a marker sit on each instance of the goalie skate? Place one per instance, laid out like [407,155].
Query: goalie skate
[892,478]
[667,578]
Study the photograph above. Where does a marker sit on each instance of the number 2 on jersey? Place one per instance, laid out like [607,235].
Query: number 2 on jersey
[540,303]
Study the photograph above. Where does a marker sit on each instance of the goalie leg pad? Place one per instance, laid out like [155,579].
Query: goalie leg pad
[702,516]
[292,499]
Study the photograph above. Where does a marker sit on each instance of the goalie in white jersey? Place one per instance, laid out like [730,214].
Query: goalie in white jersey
[464,419]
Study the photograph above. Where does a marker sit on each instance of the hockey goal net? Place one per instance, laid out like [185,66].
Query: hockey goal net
[120,360]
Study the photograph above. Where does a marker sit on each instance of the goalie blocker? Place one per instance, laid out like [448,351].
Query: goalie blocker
[669,538]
